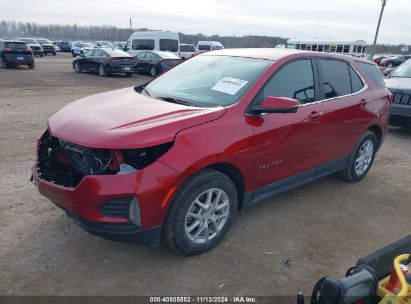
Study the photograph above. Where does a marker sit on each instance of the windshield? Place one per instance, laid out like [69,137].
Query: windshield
[31,41]
[208,80]
[44,41]
[404,70]
[84,45]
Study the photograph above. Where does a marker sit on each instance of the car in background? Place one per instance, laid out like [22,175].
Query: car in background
[377,59]
[48,46]
[175,159]
[14,53]
[152,41]
[34,45]
[65,46]
[119,45]
[79,48]
[399,84]
[104,61]
[394,61]
[205,46]
[156,62]
[187,51]
[104,44]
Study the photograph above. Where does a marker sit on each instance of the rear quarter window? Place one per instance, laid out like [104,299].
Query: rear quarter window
[336,79]
[373,72]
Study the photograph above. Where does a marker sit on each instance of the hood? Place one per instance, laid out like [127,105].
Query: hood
[124,119]
[397,84]
[34,44]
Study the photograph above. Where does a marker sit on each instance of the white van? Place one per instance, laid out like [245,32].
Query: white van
[204,46]
[153,41]
[187,51]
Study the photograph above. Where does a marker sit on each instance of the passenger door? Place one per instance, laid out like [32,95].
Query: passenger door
[99,57]
[348,106]
[141,64]
[287,144]
[85,60]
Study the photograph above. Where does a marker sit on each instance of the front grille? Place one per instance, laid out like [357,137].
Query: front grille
[35,48]
[401,98]
[118,207]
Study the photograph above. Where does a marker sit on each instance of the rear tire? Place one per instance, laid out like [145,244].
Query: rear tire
[31,66]
[41,55]
[129,74]
[201,213]
[102,71]
[3,65]
[54,53]
[153,71]
[361,159]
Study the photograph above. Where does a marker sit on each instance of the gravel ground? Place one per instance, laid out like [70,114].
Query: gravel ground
[277,247]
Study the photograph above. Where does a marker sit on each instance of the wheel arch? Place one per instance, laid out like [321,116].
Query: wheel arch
[376,129]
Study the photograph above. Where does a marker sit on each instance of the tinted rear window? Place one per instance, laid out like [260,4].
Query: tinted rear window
[336,78]
[373,72]
[15,45]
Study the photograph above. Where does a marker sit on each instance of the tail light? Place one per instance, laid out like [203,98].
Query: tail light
[390,97]
[162,61]
[111,59]
[8,49]
[29,49]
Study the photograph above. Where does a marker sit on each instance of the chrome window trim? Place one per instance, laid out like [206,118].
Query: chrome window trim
[364,88]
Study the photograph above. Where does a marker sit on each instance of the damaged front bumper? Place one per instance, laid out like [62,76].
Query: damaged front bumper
[122,207]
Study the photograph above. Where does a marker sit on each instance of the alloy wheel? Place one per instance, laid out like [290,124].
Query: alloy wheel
[364,157]
[207,215]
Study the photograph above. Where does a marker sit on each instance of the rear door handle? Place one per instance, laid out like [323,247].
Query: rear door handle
[315,114]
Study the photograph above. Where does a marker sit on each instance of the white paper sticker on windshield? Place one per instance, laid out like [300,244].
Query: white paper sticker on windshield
[229,85]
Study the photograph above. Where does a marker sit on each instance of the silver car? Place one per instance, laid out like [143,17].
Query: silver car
[399,83]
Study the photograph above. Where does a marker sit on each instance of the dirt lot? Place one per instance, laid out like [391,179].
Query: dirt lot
[279,246]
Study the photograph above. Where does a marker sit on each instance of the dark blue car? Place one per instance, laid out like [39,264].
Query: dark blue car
[156,62]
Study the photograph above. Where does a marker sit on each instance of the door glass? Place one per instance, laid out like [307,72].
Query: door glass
[356,82]
[336,78]
[294,80]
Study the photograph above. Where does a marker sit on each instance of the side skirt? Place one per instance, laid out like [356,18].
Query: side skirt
[296,180]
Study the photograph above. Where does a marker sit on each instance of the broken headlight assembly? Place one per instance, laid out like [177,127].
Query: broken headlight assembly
[66,164]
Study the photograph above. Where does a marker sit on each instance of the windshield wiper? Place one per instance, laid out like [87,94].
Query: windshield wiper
[175,100]
[145,91]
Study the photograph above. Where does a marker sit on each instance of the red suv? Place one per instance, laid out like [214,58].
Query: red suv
[177,157]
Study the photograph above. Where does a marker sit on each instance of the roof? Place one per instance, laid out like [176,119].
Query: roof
[260,53]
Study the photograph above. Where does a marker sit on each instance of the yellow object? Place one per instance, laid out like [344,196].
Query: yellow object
[404,295]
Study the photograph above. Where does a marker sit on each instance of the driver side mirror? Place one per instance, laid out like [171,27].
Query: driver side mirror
[274,104]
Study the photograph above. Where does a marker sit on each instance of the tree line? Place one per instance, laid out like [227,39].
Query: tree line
[13,29]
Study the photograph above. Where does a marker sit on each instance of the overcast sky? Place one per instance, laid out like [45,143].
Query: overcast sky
[332,19]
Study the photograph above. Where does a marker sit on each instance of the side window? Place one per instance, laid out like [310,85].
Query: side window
[356,82]
[88,53]
[142,55]
[98,53]
[294,80]
[143,44]
[150,55]
[335,77]
[373,72]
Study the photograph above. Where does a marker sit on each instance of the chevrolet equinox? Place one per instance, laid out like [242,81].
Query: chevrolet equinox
[175,159]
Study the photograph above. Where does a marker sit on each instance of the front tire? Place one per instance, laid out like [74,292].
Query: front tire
[201,214]
[129,74]
[361,159]
[54,53]
[77,67]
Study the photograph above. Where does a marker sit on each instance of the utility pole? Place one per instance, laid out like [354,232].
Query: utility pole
[131,26]
[378,28]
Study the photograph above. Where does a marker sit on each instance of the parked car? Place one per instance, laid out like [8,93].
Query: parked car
[79,48]
[65,46]
[14,53]
[205,46]
[152,41]
[177,158]
[48,47]
[395,61]
[34,45]
[187,51]
[377,59]
[104,44]
[119,44]
[104,61]
[156,62]
[399,83]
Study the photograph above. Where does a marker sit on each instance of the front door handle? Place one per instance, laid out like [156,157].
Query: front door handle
[315,114]
[364,102]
